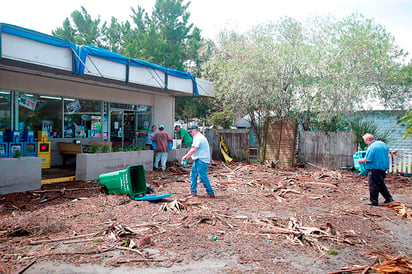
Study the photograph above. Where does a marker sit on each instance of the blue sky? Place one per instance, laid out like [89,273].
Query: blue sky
[211,16]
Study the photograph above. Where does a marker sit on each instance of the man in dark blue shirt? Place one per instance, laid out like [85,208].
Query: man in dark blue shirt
[376,163]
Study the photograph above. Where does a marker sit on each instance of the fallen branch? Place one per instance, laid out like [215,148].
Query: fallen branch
[39,254]
[315,165]
[65,189]
[137,260]
[317,183]
[321,255]
[131,250]
[79,241]
[60,239]
[345,270]
[24,268]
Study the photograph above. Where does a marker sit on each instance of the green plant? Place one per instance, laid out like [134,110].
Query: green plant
[17,154]
[407,118]
[128,148]
[117,148]
[222,119]
[139,148]
[97,240]
[94,149]
[105,149]
[333,251]
[361,126]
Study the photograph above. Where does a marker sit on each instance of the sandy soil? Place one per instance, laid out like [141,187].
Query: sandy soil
[263,220]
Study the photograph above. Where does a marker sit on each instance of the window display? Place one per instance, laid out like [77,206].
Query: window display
[75,118]
[40,112]
[5,110]
[82,119]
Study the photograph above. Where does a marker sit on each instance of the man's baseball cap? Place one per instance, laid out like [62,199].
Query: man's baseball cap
[161,127]
[193,127]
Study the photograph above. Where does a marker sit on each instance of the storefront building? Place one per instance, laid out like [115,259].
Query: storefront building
[84,93]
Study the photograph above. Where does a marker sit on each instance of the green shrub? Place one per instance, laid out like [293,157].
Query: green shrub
[333,251]
[17,154]
[222,119]
[139,148]
[361,126]
[94,149]
[105,149]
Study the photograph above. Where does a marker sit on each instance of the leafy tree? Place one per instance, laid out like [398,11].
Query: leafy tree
[86,31]
[113,35]
[66,32]
[164,37]
[323,69]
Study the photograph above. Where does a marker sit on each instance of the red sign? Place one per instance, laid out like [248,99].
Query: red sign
[28,102]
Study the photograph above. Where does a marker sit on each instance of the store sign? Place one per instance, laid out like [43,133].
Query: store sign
[73,106]
[28,102]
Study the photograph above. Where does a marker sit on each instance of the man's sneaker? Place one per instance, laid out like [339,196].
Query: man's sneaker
[211,195]
[388,202]
[369,203]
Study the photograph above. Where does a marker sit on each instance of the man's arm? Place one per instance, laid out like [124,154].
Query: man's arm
[190,153]
[360,161]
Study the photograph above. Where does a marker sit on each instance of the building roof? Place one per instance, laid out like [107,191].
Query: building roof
[29,49]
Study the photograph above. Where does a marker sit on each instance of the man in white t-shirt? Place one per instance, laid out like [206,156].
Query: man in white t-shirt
[200,154]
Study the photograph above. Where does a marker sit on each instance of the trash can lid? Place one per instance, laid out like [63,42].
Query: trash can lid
[154,197]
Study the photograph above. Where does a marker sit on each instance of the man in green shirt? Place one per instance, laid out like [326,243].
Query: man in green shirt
[184,136]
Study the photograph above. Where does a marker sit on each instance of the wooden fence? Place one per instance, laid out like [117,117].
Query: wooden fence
[334,149]
[279,140]
[237,140]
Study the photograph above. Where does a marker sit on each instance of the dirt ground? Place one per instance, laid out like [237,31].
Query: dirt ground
[263,220]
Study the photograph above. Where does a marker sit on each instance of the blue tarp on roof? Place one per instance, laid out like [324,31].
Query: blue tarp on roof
[100,53]
[39,37]
[81,53]
[36,36]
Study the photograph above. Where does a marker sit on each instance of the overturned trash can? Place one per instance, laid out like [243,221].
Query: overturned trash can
[131,181]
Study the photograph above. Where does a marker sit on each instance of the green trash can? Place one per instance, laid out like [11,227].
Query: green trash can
[131,181]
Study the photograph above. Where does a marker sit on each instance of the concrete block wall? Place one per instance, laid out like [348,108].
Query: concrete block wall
[20,174]
[90,165]
[177,154]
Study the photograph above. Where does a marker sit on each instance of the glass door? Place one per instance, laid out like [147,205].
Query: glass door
[122,129]
[116,129]
[129,119]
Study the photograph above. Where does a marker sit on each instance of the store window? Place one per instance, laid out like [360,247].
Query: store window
[144,123]
[40,112]
[82,119]
[5,110]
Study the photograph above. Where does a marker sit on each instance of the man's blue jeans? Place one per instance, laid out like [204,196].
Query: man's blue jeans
[199,169]
[162,157]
